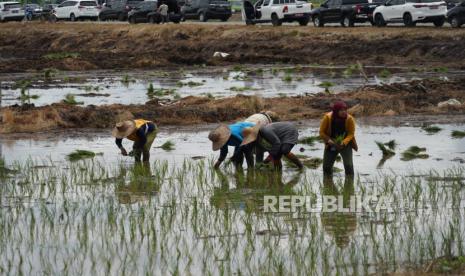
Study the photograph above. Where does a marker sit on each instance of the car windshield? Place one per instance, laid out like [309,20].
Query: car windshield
[13,6]
[88,3]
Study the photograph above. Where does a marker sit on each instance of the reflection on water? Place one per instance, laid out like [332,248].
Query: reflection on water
[245,190]
[141,185]
[340,225]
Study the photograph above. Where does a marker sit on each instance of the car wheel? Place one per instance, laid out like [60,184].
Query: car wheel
[408,21]
[379,20]
[203,17]
[275,20]
[454,22]
[101,17]
[318,22]
[72,17]
[439,22]
[347,22]
[304,21]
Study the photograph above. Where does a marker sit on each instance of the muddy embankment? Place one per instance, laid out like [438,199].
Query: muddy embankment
[85,46]
[417,97]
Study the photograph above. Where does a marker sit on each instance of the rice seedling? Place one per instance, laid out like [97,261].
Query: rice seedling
[49,73]
[310,140]
[458,134]
[431,129]
[326,85]
[61,55]
[287,78]
[71,100]
[241,89]
[25,96]
[167,146]
[385,73]
[441,69]
[392,144]
[126,80]
[414,152]
[82,154]
[387,152]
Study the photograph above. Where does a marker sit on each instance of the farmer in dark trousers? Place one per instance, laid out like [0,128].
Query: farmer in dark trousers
[231,135]
[276,138]
[141,132]
[337,129]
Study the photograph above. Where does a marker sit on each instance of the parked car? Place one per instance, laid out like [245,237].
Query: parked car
[452,3]
[117,9]
[11,11]
[456,16]
[207,9]
[276,12]
[345,12]
[410,12]
[77,9]
[139,14]
[48,11]
[174,12]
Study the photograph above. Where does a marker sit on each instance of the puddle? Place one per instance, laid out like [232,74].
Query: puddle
[106,87]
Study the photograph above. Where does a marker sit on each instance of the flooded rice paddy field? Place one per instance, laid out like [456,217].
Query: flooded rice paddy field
[105,215]
[138,87]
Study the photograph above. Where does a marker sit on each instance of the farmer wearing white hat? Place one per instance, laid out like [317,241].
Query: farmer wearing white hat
[276,138]
[141,132]
[231,135]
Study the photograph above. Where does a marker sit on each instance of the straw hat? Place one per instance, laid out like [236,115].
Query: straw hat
[123,129]
[250,134]
[219,136]
[272,115]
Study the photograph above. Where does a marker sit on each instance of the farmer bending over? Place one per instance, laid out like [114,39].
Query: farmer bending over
[141,131]
[276,138]
[337,129]
[231,135]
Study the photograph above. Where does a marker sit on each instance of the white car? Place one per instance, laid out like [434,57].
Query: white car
[276,12]
[11,11]
[410,12]
[74,10]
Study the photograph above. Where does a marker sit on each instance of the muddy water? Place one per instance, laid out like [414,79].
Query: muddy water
[444,151]
[95,218]
[104,87]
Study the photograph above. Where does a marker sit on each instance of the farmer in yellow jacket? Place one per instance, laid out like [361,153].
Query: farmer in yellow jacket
[141,132]
[337,129]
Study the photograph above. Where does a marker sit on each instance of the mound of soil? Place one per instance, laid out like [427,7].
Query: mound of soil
[84,46]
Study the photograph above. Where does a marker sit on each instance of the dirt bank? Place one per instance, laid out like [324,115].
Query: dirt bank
[417,97]
[86,46]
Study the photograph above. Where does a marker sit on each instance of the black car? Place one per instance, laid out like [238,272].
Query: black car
[117,9]
[47,12]
[207,9]
[174,12]
[345,12]
[139,14]
[456,16]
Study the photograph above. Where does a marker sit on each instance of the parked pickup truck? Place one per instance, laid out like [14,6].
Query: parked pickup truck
[276,12]
[345,12]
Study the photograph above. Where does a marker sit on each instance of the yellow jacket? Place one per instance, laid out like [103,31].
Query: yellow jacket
[325,130]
